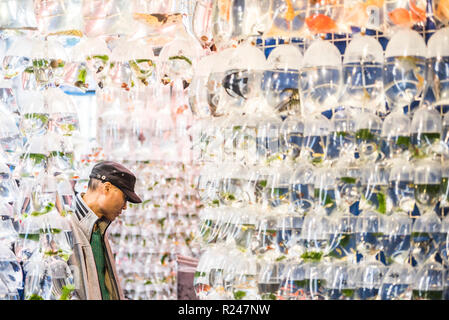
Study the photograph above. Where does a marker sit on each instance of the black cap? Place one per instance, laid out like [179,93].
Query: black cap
[119,176]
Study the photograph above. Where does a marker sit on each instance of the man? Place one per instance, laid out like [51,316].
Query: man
[110,186]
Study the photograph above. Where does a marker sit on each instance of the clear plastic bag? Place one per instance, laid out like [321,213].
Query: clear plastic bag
[59,17]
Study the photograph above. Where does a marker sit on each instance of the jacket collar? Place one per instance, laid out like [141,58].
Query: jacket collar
[87,218]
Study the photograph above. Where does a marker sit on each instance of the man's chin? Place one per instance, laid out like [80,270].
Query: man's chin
[116,216]
[113,216]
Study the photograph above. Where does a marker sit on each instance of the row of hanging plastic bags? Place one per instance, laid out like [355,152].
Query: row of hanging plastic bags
[226,273]
[81,63]
[148,237]
[226,21]
[241,81]
[220,20]
[348,138]
[92,17]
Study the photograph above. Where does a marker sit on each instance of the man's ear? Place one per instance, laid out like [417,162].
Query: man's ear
[107,186]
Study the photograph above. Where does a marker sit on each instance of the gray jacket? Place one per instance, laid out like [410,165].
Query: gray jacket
[82,262]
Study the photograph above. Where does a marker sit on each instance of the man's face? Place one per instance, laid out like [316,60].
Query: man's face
[113,201]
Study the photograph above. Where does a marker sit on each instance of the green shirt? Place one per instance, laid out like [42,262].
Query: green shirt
[96,243]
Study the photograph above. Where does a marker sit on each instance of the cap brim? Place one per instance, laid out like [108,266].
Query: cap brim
[132,196]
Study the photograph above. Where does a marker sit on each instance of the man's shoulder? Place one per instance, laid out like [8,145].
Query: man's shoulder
[77,231]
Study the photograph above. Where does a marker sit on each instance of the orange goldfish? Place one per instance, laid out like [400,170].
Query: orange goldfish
[400,16]
[320,23]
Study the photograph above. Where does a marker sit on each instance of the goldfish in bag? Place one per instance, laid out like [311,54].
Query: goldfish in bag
[320,23]
[410,15]
[287,18]
[324,16]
